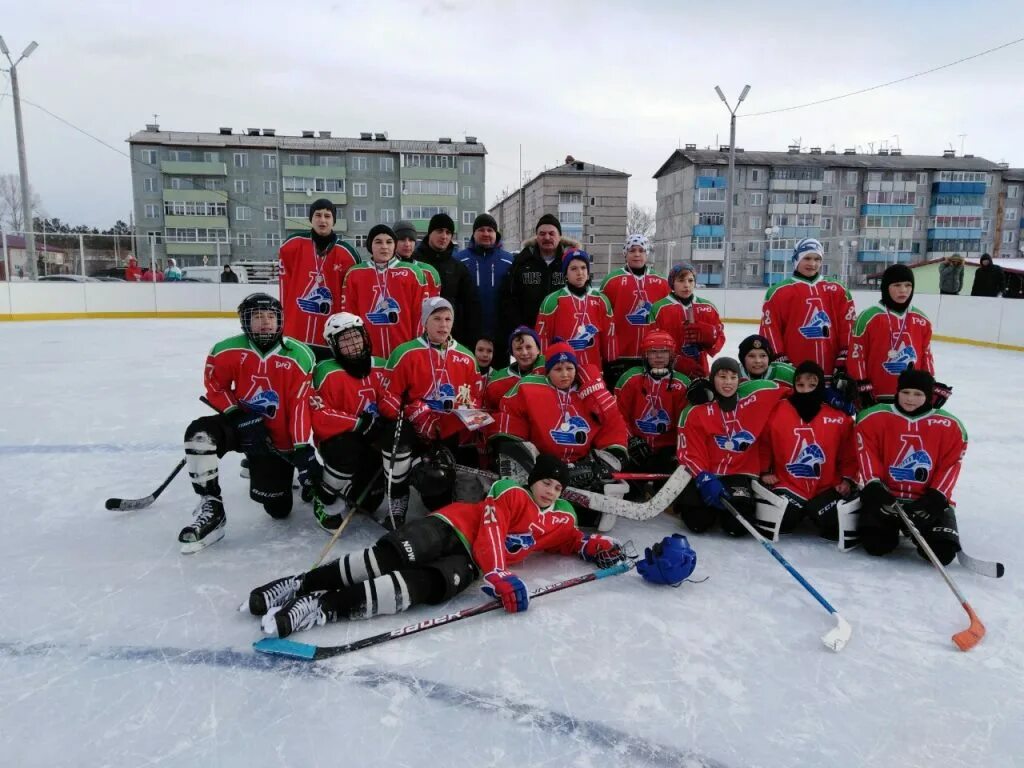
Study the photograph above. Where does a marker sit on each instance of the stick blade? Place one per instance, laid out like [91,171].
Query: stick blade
[277,646]
[113,504]
[837,637]
[971,636]
[990,568]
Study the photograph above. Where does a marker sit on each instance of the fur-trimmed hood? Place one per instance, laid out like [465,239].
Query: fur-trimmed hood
[563,243]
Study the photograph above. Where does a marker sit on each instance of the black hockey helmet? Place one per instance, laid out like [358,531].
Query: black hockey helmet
[260,302]
[434,474]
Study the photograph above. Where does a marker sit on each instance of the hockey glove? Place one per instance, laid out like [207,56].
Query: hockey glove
[928,509]
[781,359]
[840,361]
[940,394]
[639,450]
[602,551]
[877,496]
[865,393]
[711,490]
[509,588]
[701,334]
[593,389]
[836,399]
[251,432]
[311,474]
[699,392]
[423,420]
[844,384]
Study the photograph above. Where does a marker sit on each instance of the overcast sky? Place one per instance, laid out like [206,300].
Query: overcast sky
[619,84]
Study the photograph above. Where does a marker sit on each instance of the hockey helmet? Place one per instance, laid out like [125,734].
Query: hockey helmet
[670,561]
[656,341]
[260,302]
[434,473]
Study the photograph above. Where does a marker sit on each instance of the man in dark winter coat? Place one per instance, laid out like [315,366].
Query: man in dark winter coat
[536,272]
[457,285]
[488,263]
[989,279]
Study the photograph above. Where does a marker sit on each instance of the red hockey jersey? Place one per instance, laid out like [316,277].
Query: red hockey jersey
[884,343]
[632,297]
[558,422]
[501,381]
[508,525]
[444,378]
[809,320]
[910,454]
[339,402]
[389,299]
[584,322]
[651,407]
[274,384]
[311,286]
[672,316]
[809,458]
[725,442]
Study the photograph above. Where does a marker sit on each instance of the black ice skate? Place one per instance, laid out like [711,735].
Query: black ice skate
[264,599]
[207,526]
[398,506]
[301,613]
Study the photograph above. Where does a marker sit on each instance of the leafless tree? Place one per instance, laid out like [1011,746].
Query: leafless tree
[11,216]
[639,221]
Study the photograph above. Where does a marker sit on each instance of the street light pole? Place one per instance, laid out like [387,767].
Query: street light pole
[732,178]
[26,202]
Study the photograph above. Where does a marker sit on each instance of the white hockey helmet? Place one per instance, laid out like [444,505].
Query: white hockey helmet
[339,323]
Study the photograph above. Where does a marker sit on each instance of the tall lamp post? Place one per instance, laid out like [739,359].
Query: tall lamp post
[732,179]
[770,233]
[26,202]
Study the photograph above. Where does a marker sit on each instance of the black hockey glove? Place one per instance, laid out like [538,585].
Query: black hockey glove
[928,509]
[311,474]
[700,392]
[251,431]
[940,394]
[865,393]
[877,496]
[639,450]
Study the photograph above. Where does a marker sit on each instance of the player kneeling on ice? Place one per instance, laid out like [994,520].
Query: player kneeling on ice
[426,382]
[564,415]
[432,559]
[718,445]
[808,455]
[259,381]
[910,453]
[343,410]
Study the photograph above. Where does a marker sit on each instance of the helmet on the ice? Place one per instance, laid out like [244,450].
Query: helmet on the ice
[670,561]
[342,333]
[253,314]
[434,474]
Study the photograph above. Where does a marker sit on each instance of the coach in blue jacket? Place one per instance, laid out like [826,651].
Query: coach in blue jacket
[488,263]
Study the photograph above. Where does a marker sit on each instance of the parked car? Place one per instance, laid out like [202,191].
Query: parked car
[108,279]
[67,279]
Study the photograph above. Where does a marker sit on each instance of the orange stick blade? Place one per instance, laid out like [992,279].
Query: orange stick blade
[971,636]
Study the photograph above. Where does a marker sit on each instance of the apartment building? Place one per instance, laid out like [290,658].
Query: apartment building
[589,200]
[1010,215]
[867,209]
[236,195]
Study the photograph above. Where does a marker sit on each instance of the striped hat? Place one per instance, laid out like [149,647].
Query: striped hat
[806,247]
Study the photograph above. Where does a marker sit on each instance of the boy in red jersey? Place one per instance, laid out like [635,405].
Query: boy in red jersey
[632,290]
[578,313]
[692,322]
[718,445]
[808,454]
[386,293]
[432,559]
[910,452]
[259,381]
[524,346]
[808,316]
[889,338]
[343,410]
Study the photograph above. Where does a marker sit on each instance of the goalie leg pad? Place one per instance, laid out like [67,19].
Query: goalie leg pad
[773,513]
[848,525]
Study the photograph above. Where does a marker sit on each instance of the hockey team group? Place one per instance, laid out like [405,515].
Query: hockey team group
[369,376]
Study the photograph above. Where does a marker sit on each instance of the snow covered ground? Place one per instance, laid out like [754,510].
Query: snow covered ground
[116,650]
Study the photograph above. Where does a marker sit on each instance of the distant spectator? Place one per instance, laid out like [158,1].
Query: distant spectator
[951,275]
[132,273]
[228,275]
[20,272]
[989,279]
[488,263]
[152,275]
[173,274]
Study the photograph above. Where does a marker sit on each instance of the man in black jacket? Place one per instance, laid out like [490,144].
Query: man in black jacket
[989,279]
[536,272]
[457,285]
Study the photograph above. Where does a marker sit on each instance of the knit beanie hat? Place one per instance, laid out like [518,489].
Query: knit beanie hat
[559,353]
[378,229]
[322,204]
[640,240]
[754,341]
[679,269]
[724,364]
[547,467]
[551,219]
[441,221]
[806,247]
[575,254]
[523,330]
[432,305]
[485,220]
[913,378]
[405,229]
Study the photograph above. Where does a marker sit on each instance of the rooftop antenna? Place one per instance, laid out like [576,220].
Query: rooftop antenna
[962,137]
[897,137]
[871,147]
[799,142]
[155,118]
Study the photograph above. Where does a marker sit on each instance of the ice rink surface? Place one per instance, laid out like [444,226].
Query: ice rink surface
[116,650]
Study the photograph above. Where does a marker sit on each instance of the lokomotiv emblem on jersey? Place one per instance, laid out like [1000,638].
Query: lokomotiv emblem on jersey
[913,464]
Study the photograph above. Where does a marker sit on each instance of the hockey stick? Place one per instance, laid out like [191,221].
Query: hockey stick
[145,501]
[599,502]
[837,637]
[284,647]
[967,638]
[990,568]
[391,462]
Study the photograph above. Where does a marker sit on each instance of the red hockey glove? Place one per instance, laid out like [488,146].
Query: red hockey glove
[509,588]
[602,551]
[593,390]
[940,394]
[423,420]
[865,393]
[702,334]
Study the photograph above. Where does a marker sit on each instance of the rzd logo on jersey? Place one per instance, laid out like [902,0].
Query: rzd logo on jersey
[913,464]
[261,398]
[737,439]
[572,431]
[817,324]
[807,456]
